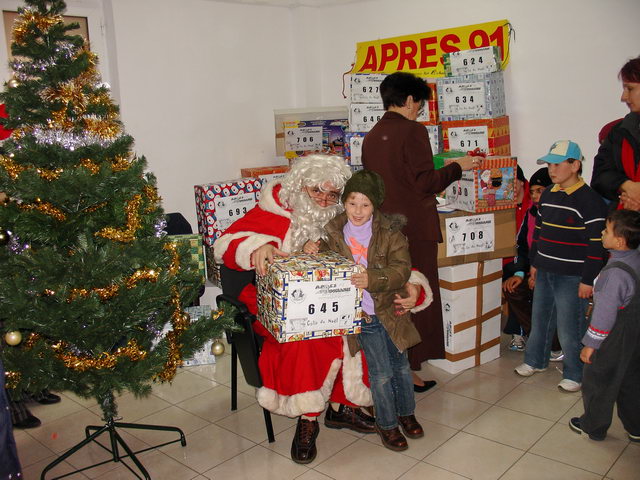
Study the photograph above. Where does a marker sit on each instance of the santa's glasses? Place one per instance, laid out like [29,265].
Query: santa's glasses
[330,197]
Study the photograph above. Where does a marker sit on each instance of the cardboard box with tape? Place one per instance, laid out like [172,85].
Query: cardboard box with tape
[471,309]
[499,227]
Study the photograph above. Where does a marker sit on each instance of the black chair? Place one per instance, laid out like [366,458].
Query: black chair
[245,344]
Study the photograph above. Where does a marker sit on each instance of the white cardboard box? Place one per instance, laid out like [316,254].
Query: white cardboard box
[363,116]
[471,309]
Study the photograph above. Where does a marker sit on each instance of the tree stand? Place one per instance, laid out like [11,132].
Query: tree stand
[114,439]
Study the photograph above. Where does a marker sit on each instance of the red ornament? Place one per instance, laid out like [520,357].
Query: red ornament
[4,133]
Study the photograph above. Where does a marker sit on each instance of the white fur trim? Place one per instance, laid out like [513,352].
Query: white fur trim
[245,248]
[253,242]
[300,403]
[269,204]
[418,278]
[354,388]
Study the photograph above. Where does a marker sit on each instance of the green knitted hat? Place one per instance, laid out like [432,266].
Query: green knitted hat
[368,183]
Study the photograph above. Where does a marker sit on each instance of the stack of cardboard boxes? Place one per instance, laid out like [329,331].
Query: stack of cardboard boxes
[467,112]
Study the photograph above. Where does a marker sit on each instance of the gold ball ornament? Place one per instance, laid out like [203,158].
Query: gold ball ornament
[13,83]
[217,347]
[13,338]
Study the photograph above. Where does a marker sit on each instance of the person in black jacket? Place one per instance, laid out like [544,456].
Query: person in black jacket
[616,175]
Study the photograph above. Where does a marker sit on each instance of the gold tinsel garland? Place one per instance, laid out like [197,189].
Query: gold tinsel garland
[11,379]
[14,170]
[127,234]
[179,322]
[11,167]
[175,258]
[30,20]
[151,192]
[46,208]
[120,163]
[107,128]
[90,165]
[82,363]
[111,291]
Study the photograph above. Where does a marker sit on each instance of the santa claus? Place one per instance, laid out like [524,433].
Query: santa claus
[299,377]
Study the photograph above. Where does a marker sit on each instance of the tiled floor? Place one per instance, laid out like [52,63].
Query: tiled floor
[484,423]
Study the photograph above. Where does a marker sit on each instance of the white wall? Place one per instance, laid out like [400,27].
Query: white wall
[198,84]
[562,78]
[198,80]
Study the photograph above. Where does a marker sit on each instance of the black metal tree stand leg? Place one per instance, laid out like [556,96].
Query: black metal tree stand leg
[110,428]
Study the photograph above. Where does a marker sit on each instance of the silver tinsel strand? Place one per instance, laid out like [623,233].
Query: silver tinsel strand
[68,140]
[160,227]
[26,70]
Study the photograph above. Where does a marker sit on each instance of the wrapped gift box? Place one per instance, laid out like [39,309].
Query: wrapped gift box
[435,138]
[365,87]
[484,189]
[309,136]
[213,268]
[440,158]
[363,116]
[430,114]
[471,310]
[265,174]
[202,356]
[196,250]
[218,205]
[304,297]
[353,148]
[479,95]
[490,135]
[503,235]
[476,60]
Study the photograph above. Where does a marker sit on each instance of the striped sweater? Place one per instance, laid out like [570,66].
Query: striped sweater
[568,235]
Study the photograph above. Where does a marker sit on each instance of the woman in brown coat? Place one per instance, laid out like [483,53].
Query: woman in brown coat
[398,149]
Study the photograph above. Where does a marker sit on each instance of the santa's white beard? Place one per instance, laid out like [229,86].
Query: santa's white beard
[308,219]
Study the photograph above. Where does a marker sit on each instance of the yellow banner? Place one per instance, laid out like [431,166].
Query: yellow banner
[421,53]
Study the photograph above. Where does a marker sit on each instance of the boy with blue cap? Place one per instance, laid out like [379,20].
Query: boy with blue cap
[566,256]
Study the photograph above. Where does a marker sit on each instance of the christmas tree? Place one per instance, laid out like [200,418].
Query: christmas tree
[88,278]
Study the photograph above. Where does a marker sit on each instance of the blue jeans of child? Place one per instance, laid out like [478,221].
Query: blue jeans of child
[389,375]
[560,292]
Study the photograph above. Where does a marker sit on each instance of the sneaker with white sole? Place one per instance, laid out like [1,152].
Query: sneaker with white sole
[575,425]
[525,370]
[518,343]
[634,438]
[569,385]
[556,356]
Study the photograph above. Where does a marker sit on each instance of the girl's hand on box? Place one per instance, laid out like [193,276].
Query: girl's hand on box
[311,247]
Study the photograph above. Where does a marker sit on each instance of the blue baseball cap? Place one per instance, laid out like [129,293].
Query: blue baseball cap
[560,151]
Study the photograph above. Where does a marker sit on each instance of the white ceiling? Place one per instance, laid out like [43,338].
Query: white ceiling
[294,3]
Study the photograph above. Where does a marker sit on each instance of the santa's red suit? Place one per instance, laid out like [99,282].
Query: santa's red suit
[299,377]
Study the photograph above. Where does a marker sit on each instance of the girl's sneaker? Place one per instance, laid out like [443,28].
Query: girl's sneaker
[556,356]
[518,343]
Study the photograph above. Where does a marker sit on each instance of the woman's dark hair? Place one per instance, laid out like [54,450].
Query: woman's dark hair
[630,72]
[395,89]
[626,224]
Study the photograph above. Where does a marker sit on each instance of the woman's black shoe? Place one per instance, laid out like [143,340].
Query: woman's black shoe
[28,422]
[423,388]
[46,398]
